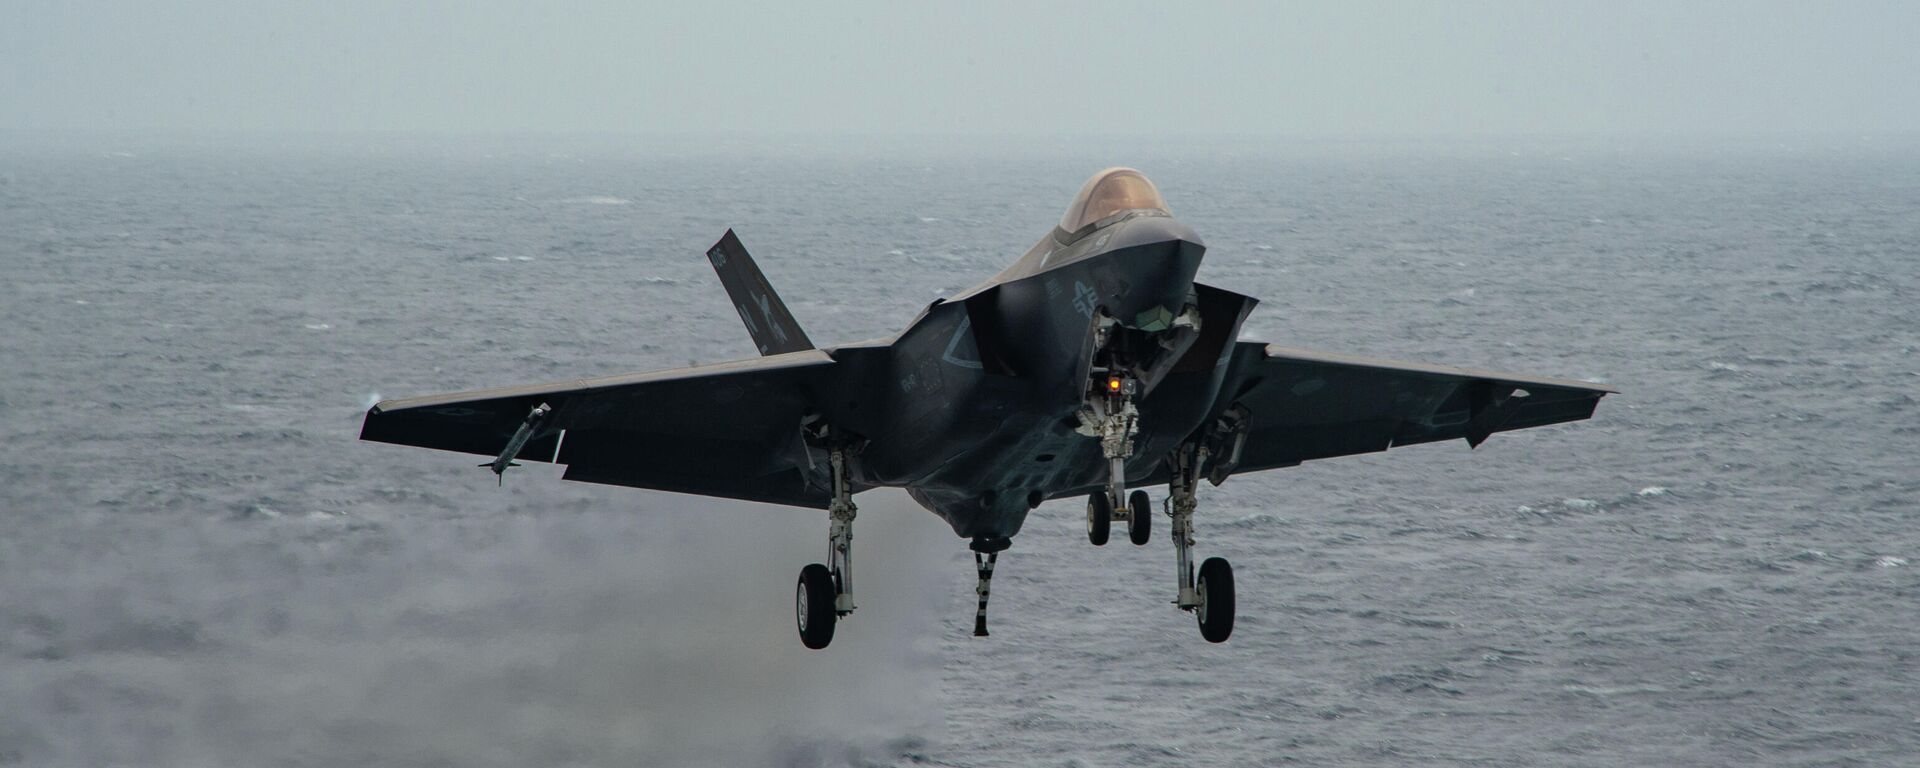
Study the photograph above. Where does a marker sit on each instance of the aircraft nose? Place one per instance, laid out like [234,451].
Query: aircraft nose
[1152,280]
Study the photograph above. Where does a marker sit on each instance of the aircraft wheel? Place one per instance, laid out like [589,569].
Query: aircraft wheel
[1099,517]
[813,606]
[1139,518]
[1216,600]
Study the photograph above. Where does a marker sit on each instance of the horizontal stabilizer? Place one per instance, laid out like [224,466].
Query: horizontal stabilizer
[772,327]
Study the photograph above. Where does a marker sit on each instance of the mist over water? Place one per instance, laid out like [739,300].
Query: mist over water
[525,634]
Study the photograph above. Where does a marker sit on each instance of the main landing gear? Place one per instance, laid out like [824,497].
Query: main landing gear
[1206,592]
[825,592]
[1209,595]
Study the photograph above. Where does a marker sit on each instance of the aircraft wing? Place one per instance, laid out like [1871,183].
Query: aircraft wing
[729,430]
[1302,405]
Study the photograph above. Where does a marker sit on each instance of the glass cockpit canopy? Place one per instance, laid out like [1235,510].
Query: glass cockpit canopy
[1109,192]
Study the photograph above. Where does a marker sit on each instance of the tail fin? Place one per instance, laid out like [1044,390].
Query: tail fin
[773,328]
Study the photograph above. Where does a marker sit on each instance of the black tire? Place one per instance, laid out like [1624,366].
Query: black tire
[1139,518]
[1099,518]
[813,606]
[1216,600]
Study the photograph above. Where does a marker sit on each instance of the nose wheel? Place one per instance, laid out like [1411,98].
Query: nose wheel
[1139,518]
[1101,511]
[1099,517]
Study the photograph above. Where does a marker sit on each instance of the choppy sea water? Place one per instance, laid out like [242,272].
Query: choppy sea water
[200,565]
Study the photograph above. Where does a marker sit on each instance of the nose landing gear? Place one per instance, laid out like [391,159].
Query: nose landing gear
[1139,518]
[1099,517]
[1101,512]
[1109,414]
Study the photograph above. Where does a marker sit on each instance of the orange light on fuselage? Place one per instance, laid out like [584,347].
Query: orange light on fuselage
[1113,383]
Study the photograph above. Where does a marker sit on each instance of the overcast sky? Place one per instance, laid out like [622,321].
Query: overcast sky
[1116,68]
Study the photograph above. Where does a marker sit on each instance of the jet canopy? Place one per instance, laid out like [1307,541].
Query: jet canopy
[1109,192]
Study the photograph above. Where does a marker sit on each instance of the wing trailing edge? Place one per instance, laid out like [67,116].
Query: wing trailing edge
[1305,405]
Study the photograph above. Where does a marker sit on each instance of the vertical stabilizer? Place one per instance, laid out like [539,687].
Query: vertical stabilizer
[772,327]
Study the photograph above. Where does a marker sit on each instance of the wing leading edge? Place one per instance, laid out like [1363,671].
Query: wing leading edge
[730,430]
[1302,405]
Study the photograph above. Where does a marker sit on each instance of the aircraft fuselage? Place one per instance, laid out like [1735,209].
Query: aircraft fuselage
[983,425]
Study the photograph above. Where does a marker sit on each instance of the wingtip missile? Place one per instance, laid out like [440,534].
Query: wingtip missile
[518,441]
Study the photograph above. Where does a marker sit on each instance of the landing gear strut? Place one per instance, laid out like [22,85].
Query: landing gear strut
[825,592]
[1209,596]
[1109,414]
[985,552]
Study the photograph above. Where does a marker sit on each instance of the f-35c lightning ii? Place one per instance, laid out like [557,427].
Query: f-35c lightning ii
[1093,365]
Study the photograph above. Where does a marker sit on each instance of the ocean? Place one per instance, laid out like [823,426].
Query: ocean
[202,566]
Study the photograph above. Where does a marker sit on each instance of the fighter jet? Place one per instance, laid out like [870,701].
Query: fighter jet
[1093,367]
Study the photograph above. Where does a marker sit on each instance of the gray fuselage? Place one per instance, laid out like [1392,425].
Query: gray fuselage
[980,425]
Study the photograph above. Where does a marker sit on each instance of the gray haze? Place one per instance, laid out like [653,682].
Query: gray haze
[961,68]
[201,566]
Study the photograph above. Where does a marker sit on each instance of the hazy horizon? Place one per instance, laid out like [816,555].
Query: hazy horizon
[1116,70]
